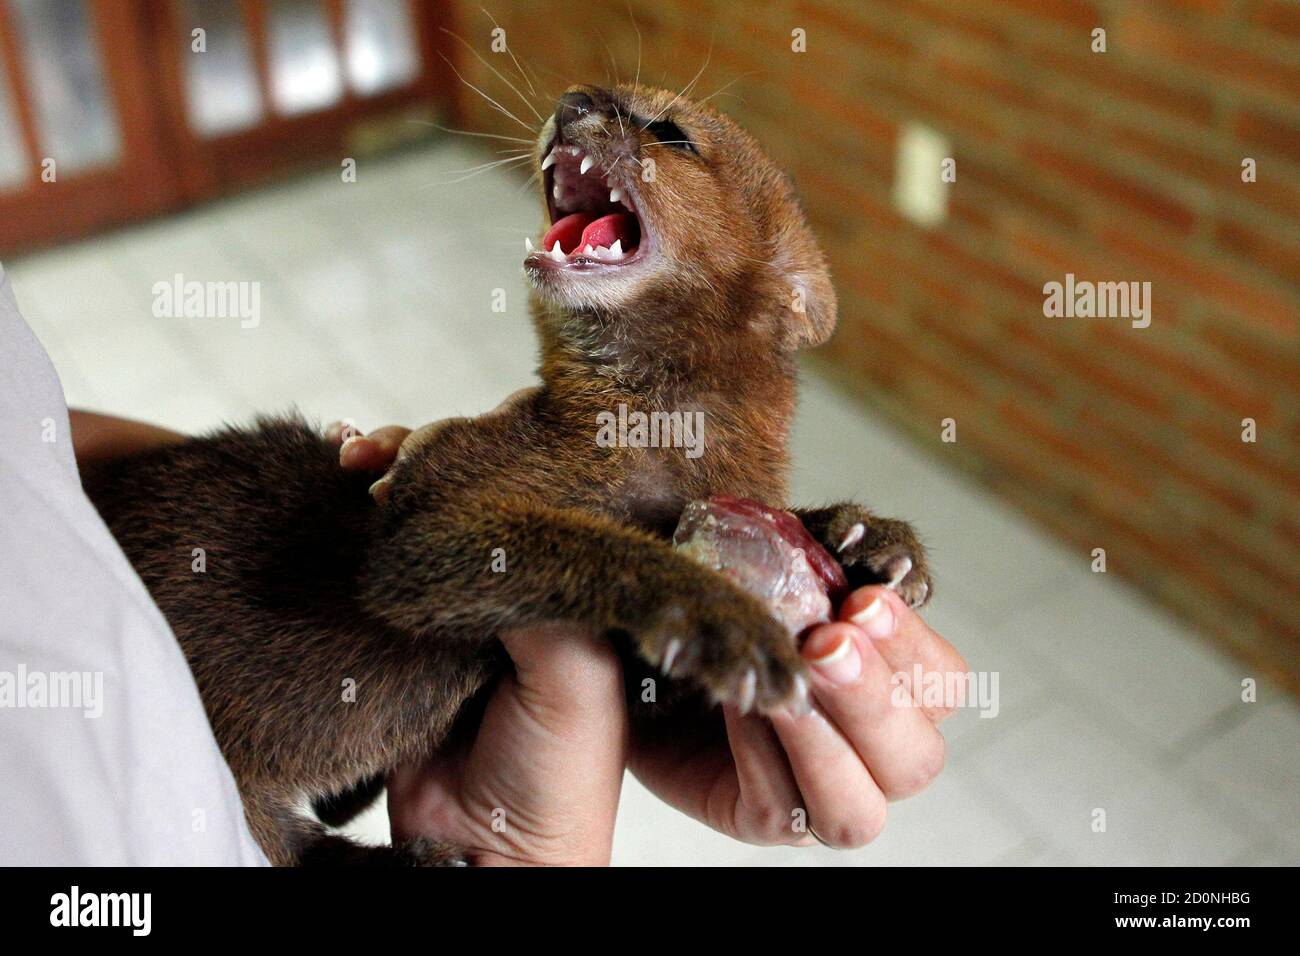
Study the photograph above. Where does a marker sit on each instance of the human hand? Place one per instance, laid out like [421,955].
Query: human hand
[540,781]
[384,447]
[98,437]
[748,776]
[361,452]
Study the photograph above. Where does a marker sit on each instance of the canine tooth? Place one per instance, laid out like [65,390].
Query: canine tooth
[615,194]
[528,244]
[556,252]
[586,164]
[549,161]
[616,250]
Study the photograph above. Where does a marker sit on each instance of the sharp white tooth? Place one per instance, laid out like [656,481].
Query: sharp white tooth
[602,252]
[589,251]
[549,161]
[556,252]
[615,194]
[586,164]
[528,244]
[616,250]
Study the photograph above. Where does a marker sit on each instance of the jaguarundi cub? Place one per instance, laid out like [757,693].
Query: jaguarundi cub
[678,275]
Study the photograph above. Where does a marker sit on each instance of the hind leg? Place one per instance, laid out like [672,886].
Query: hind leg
[288,838]
[338,809]
[323,848]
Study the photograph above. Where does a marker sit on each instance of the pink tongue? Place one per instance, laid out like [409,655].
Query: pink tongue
[567,231]
[578,231]
[607,230]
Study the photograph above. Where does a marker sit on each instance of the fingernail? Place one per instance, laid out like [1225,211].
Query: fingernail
[877,619]
[379,490]
[348,443]
[840,662]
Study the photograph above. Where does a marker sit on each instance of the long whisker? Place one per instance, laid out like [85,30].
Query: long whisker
[609,53]
[632,17]
[490,164]
[479,170]
[686,88]
[495,105]
[501,76]
[534,178]
[466,132]
[518,67]
[722,89]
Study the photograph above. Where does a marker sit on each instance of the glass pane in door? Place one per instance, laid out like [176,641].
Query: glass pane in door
[305,73]
[13,153]
[381,51]
[221,94]
[74,121]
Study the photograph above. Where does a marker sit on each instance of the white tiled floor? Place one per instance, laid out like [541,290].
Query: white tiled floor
[377,305]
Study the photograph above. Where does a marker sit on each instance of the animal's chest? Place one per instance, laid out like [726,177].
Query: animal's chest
[654,486]
[652,493]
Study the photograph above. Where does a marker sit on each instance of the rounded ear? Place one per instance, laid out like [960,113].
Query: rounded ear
[809,294]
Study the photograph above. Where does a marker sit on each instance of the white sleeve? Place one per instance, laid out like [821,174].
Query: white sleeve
[106,756]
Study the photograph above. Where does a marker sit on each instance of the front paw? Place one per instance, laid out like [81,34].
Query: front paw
[879,551]
[712,633]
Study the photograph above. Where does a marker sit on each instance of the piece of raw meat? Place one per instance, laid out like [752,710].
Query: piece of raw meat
[767,552]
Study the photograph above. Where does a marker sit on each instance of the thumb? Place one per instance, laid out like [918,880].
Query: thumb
[566,674]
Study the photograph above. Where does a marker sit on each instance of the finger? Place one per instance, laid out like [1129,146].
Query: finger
[844,804]
[767,799]
[905,641]
[550,749]
[858,690]
[337,432]
[373,452]
[562,670]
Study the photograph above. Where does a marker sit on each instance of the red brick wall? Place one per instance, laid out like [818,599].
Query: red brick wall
[1123,165]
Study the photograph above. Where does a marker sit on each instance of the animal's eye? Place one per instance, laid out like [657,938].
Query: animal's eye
[670,134]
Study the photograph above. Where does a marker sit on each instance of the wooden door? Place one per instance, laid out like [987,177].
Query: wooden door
[81,139]
[111,110]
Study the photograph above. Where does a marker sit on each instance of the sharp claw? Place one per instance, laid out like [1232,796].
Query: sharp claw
[670,655]
[801,706]
[853,537]
[748,690]
[905,568]
[925,593]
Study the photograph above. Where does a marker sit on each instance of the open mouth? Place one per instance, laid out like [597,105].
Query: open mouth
[594,224]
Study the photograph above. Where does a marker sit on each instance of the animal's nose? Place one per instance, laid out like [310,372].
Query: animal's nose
[573,105]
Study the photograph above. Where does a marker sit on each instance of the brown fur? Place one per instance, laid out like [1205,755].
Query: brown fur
[309,584]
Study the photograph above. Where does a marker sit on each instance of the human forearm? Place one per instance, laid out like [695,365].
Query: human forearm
[97,437]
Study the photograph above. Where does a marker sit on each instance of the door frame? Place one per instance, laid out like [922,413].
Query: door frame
[163,164]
